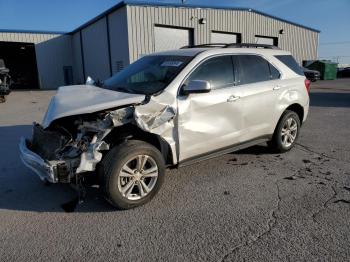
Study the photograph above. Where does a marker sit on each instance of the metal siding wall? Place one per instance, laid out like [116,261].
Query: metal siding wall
[26,37]
[118,32]
[52,56]
[78,73]
[301,42]
[53,51]
[95,45]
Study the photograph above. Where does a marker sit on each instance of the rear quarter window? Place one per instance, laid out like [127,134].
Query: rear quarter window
[289,61]
[253,69]
[275,74]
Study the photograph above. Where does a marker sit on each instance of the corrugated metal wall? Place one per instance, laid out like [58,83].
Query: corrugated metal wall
[53,52]
[26,37]
[300,41]
[78,71]
[118,33]
[52,56]
[95,48]
[103,48]
[120,37]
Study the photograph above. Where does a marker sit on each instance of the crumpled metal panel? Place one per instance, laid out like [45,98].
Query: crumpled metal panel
[121,116]
[150,118]
[158,117]
[92,156]
[83,99]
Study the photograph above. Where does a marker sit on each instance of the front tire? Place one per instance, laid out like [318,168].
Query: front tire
[286,132]
[132,174]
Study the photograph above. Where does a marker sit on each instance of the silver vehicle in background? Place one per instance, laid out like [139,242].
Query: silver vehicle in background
[168,109]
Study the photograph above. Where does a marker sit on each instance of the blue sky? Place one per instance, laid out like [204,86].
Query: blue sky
[332,17]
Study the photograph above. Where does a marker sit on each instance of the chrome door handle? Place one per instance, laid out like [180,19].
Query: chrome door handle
[233,98]
[277,88]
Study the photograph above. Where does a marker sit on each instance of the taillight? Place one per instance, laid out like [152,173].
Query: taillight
[307,85]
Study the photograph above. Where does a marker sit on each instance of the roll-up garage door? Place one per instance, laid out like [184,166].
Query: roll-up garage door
[167,38]
[224,38]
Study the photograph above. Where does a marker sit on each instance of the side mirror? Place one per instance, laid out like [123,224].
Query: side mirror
[90,81]
[196,87]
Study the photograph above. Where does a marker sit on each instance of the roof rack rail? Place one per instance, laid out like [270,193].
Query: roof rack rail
[204,45]
[250,45]
[232,45]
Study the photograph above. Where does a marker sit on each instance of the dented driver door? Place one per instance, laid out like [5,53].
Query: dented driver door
[210,121]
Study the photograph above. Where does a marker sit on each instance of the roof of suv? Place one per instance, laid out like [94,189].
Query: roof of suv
[219,50]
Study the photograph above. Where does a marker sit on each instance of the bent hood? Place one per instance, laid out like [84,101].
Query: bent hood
[84,99]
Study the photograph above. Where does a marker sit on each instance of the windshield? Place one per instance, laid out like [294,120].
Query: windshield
[148,75]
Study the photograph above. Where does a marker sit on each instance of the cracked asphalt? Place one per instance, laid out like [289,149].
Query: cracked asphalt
[250,205]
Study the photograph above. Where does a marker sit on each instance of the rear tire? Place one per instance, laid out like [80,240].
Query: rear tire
[286,132]
[2,99]
[132,174]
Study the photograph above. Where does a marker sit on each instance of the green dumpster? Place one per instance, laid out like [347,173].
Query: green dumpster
[327,69]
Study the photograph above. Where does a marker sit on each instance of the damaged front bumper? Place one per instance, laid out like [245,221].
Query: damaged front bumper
[45,170]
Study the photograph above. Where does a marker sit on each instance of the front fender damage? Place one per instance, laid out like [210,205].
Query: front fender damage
[153,117]
[92,156]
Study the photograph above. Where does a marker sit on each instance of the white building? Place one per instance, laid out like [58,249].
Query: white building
[125,32]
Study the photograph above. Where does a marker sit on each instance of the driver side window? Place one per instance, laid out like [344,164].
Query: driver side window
[218,71]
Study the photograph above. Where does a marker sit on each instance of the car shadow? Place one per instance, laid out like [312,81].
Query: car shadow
[261,149]
[327,99]
[22,190]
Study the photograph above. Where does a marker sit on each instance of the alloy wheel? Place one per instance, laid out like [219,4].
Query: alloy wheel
[289,132]
[138,177]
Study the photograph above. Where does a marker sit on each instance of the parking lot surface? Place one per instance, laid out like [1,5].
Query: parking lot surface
[250,205]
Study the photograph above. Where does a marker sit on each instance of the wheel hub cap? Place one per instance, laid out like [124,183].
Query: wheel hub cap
[289,132]
[138,177]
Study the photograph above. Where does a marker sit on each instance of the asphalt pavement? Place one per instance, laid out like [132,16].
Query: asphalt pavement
[250,205]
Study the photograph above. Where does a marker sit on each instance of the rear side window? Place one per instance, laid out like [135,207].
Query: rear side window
[253,69]
[275,74]
[218,71]
[289,61]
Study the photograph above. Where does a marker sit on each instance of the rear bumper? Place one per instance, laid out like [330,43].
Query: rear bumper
[315,78]
[45,170]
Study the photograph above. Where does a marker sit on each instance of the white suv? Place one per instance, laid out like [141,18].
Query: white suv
[168,109]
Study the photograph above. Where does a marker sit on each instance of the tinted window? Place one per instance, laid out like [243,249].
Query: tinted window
[218,71]
[147,75]
[275,74]
[253,69]
[289,61]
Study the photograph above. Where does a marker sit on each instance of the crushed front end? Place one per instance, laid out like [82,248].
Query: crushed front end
[70,146]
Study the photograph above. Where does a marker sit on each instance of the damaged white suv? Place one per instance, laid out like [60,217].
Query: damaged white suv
[168,109]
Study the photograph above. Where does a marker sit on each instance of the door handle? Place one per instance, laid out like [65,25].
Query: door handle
[277,87]
[233,98]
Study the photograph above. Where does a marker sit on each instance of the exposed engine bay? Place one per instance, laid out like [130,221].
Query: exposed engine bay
[74,143]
